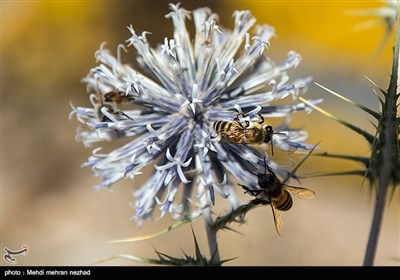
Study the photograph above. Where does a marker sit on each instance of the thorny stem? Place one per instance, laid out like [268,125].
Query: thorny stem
[211,237]
[377,219]
[387,134]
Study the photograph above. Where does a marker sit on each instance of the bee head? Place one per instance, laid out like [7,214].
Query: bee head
[269,131]
[265,179]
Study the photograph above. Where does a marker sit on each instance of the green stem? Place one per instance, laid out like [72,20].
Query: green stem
[211,238]
[388,155]
[376,221]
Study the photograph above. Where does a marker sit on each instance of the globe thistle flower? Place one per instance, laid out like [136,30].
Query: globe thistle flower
[170,104]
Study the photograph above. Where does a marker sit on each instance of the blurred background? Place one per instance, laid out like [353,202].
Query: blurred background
[48,201]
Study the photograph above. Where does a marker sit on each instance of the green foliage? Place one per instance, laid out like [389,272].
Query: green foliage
[163,259]
[387,134]
[166,230]
[382,168]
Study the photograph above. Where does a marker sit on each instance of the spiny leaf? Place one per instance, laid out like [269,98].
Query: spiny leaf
[290,175]
[164,259]
[393,84]
[150,236]
[374,125]
[129,258]
[392,192]
[221,221]
[361,172]
[365,173]
[233,230]
[385,154]
[369,111]
[365,134]
[364,160]
[197,248]
[381,101]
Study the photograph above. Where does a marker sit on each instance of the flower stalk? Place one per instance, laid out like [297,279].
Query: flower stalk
[390,153]
[212,242]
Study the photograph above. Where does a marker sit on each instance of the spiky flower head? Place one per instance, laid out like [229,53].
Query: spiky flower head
[170,104]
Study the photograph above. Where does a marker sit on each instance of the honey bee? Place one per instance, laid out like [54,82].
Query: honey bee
[244,132]
[272,191]
[105,105]
[118,97]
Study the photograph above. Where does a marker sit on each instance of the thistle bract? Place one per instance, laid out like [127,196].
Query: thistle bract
[168,105]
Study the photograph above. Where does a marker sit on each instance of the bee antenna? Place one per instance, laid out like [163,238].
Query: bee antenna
[272,142]
[272,147]
[265,164]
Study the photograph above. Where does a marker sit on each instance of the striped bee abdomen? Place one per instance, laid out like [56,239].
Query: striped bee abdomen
[284,202]
[223,130]
[220,126]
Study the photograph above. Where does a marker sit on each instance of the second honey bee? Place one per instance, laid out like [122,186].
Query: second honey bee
[244,132]
[118,97]
[105,105]
[272,191]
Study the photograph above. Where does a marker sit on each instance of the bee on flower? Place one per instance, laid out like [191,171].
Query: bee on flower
[182,88]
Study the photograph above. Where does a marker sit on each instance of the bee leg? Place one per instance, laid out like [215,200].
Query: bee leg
[236,119]
[108,115]
[246,124]
[259,201]
[218,138]
[124,115]
[105,119]
[239,122]
[252,192]
[215,137]
[244,187]
[261,118]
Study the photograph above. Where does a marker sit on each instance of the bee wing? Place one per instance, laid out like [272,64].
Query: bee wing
[277,218]
[299,192]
